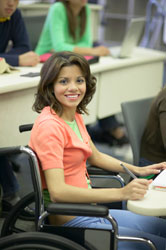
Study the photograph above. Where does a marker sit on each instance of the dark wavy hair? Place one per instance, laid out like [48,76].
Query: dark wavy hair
[73,22]
[49,73]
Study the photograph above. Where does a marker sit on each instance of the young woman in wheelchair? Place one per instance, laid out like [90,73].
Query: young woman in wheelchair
[63,145]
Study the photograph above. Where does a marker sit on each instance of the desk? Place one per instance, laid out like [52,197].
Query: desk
[154,204]
[118,80]
[128,79]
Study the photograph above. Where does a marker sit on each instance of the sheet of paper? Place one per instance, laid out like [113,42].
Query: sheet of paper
[160,180]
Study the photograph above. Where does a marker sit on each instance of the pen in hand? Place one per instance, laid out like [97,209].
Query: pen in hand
[128,171]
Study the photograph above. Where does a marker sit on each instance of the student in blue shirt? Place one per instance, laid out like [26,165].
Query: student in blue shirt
[12,29]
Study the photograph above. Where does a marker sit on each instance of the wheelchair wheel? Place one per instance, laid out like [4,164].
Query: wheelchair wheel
[37,241]
[10,224]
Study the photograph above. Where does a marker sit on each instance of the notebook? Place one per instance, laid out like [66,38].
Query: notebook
[159,182]
[131,39]
[90,59]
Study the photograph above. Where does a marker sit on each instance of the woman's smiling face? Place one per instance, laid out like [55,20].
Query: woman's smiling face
[70,87]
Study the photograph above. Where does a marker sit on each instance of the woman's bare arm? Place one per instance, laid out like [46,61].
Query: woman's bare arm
[61,192]
[112,164]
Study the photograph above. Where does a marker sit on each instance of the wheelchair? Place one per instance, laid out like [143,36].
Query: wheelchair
[88,238]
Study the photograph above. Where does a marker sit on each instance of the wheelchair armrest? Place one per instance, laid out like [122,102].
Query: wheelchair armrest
[77,209]
[92,170]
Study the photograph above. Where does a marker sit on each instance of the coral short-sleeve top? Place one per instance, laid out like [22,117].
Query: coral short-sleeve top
[58,146]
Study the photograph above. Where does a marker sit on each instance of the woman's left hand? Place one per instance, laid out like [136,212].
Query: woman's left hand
[151,169]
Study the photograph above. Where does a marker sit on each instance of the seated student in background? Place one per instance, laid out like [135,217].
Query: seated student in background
[63,145]
[153,143]
[12,28]
[67,28]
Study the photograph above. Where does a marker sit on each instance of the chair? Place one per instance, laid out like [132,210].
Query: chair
[34,25]
[37,240]
[78,235]
[135,114]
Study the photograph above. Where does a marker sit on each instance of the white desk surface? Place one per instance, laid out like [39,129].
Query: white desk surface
[121,80]
[140,55]
[14,81]
[153,204]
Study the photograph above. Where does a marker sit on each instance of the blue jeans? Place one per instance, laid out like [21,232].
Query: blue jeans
[107,124]
[8,180]
[129,224]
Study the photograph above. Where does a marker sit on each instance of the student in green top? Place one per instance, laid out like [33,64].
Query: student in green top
[67,27]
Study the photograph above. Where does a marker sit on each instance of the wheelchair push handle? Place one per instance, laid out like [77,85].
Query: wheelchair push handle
[25,128]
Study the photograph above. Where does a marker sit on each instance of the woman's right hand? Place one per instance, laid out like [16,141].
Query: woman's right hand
[136,189]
